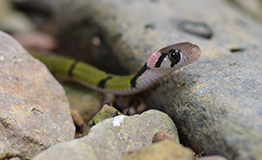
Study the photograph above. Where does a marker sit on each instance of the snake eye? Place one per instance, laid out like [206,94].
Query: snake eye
[174,56]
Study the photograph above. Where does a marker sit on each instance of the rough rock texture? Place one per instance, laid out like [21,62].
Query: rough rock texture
[222,111]
[34,109]
[113,137]
[164,150]
[216,102]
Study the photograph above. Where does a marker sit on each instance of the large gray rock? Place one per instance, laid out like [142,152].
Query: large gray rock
[34,109]
[111,138]
[216,102]
[217,105]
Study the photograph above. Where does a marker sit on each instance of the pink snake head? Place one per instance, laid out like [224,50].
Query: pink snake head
[174,56]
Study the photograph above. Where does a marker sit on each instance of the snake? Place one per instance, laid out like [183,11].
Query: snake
[160,64]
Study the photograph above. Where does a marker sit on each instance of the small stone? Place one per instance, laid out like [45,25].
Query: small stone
[106,112]
[78,120]
[37,41]
[141,107]
[17,22]
[161,136]
[164,150]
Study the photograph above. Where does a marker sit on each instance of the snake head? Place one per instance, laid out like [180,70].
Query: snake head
[174,56]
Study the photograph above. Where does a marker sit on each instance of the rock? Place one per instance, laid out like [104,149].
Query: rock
[217,105]
[216,102]
[78,120]
[36,41]
[164,150]
[13,21]
[17,22]
[15,158]
[113,137]
[105,113]
[79,123]
[161,136]
[5,9]
[216,157]
[34,109]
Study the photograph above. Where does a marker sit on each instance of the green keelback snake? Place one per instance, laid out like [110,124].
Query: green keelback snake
[159,64]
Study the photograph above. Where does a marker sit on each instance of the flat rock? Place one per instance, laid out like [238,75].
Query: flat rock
[34,109]
[113,137]
[216,102]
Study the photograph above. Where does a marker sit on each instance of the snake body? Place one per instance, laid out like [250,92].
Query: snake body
[159,64]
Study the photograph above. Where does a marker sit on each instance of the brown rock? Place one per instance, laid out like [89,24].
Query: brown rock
[111,138]
[36,41]
[161,136]
[164,150]
[78,120]
[34,109]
